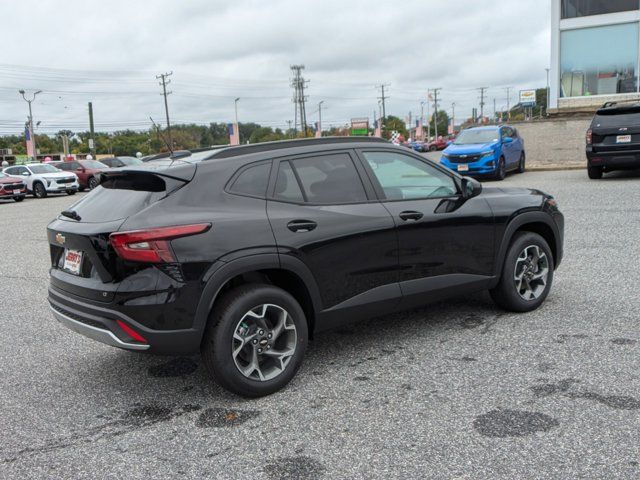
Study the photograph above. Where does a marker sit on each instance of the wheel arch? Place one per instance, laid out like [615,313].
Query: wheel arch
[536,222]
[284,272]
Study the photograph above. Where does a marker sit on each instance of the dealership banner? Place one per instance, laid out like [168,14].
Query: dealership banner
[528,98]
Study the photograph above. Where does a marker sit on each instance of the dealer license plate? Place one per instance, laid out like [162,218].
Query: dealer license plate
[72,261]
[623,139]
[463,168]
[16,192]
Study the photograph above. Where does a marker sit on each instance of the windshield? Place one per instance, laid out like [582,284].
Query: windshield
[2,175]
[470,137]
[92,164]
[131,160]
[38,169]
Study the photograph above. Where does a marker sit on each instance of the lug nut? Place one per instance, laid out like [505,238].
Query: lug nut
[259,350]
[255,341]
[268,347]
[261,332]
[269,336]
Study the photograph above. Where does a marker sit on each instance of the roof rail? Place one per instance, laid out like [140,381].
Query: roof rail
[238,150]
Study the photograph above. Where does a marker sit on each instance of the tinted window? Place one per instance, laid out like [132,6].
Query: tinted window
[330,179]
[43,168]
[253,181]
[287,187]
[617,117]
[66,166]
[582,8]
[92,164]
[477,136]
[403,177]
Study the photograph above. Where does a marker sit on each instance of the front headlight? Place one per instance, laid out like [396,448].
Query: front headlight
[49,179]
[488,154]
[445,156]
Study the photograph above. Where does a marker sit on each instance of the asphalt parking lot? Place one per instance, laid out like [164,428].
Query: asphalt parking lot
[456,390]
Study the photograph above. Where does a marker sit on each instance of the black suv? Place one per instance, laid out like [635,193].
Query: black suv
[244,252]
[613,139]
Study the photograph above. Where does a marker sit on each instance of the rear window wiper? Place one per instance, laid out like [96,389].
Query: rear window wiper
[72,214]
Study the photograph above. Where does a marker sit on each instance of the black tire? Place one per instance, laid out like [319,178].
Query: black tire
[39,191]
[71,192]
[433,148]
[81,189]
[501,171]
[595,173]
[216,347]
[522,163]
[18,199]
[93,183]
[506,294]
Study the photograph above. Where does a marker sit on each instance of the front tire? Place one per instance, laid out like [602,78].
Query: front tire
[255,340]
[93,183]
[39,191]
[527,274]
[71,192]
[595,173]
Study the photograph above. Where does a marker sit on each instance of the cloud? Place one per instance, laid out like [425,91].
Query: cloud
[110,52]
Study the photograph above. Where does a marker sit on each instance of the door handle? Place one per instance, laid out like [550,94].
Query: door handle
[301,225]
[411,216]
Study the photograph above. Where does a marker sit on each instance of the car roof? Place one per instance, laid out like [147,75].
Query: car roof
[487,127]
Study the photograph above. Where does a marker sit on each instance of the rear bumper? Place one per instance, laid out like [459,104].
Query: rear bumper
[101,324]
[614,160]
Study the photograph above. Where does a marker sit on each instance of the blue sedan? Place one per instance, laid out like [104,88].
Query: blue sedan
[486,151]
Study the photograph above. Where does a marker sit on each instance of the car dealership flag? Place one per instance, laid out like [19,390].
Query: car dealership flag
[234,134]
[318,130]
[378,128]
[27,135]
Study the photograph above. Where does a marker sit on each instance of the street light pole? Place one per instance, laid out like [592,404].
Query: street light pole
[31,132]
[320,116]
[548,91]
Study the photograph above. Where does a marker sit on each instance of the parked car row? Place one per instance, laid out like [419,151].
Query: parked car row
[41,179]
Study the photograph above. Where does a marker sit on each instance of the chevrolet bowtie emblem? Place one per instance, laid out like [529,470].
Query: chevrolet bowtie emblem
[60,238]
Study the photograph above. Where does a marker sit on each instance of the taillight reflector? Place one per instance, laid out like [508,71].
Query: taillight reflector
[153,245]
[589,137]
[131,332]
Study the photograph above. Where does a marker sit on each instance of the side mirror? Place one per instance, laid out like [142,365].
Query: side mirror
[25,174]
[508,140]
[470,187]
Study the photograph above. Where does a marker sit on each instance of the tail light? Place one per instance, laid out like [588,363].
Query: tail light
[131,332]
[153,245]
[589,137]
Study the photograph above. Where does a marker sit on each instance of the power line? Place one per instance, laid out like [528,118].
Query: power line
[482,91]
[383,99]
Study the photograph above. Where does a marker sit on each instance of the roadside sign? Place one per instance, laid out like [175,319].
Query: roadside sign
[359,127]
[528,98]
[91,143]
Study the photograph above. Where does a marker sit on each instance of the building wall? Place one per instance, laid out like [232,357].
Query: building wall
[555,141]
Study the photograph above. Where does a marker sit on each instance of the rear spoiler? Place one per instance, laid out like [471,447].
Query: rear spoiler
[174,169]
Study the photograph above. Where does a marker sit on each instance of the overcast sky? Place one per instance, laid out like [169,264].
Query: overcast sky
[109,53]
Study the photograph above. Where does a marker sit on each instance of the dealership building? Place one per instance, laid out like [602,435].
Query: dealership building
[595,53]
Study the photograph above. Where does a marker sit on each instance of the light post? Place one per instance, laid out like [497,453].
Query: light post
[31,132]
[320,116]
[548,92]
[235,104]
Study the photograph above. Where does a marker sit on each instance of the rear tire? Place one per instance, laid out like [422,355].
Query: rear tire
[501,171]
[512,292]
[39,191]
[521,164]
[595,173]
[234,326]
[93,183]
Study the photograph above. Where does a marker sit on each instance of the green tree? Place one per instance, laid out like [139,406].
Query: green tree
[392,123]
[443,123]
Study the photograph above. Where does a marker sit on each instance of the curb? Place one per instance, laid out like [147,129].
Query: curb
[554,168]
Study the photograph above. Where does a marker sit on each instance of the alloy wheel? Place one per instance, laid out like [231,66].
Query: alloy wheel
[264,342]
[531,273]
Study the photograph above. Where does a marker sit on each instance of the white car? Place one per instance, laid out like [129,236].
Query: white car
[42,179]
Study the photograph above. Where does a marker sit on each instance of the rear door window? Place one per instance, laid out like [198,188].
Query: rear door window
[330,179]
[287,186]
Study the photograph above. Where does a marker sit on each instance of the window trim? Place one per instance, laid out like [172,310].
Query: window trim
[378,187]
[368,188]
[228,186]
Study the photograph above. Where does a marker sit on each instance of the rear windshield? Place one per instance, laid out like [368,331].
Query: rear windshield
[119,197]
[617,117]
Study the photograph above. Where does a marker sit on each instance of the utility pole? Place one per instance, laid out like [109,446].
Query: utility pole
[383,99]
[235,104]
[289,122]
[428,115]
[164,82]
[495,116]
[299,99]
[422,120]
[508,89]
[482,90]
[435,110]
[92,146]
[31,129]
[320,116]
[453,118]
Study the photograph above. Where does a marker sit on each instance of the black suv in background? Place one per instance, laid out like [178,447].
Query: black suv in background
[613,139]
[244,252]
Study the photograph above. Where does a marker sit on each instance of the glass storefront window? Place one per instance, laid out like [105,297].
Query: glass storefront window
[599,60]
[583,8]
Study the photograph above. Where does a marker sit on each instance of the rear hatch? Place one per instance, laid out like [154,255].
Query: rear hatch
[616,129]
[82,260]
